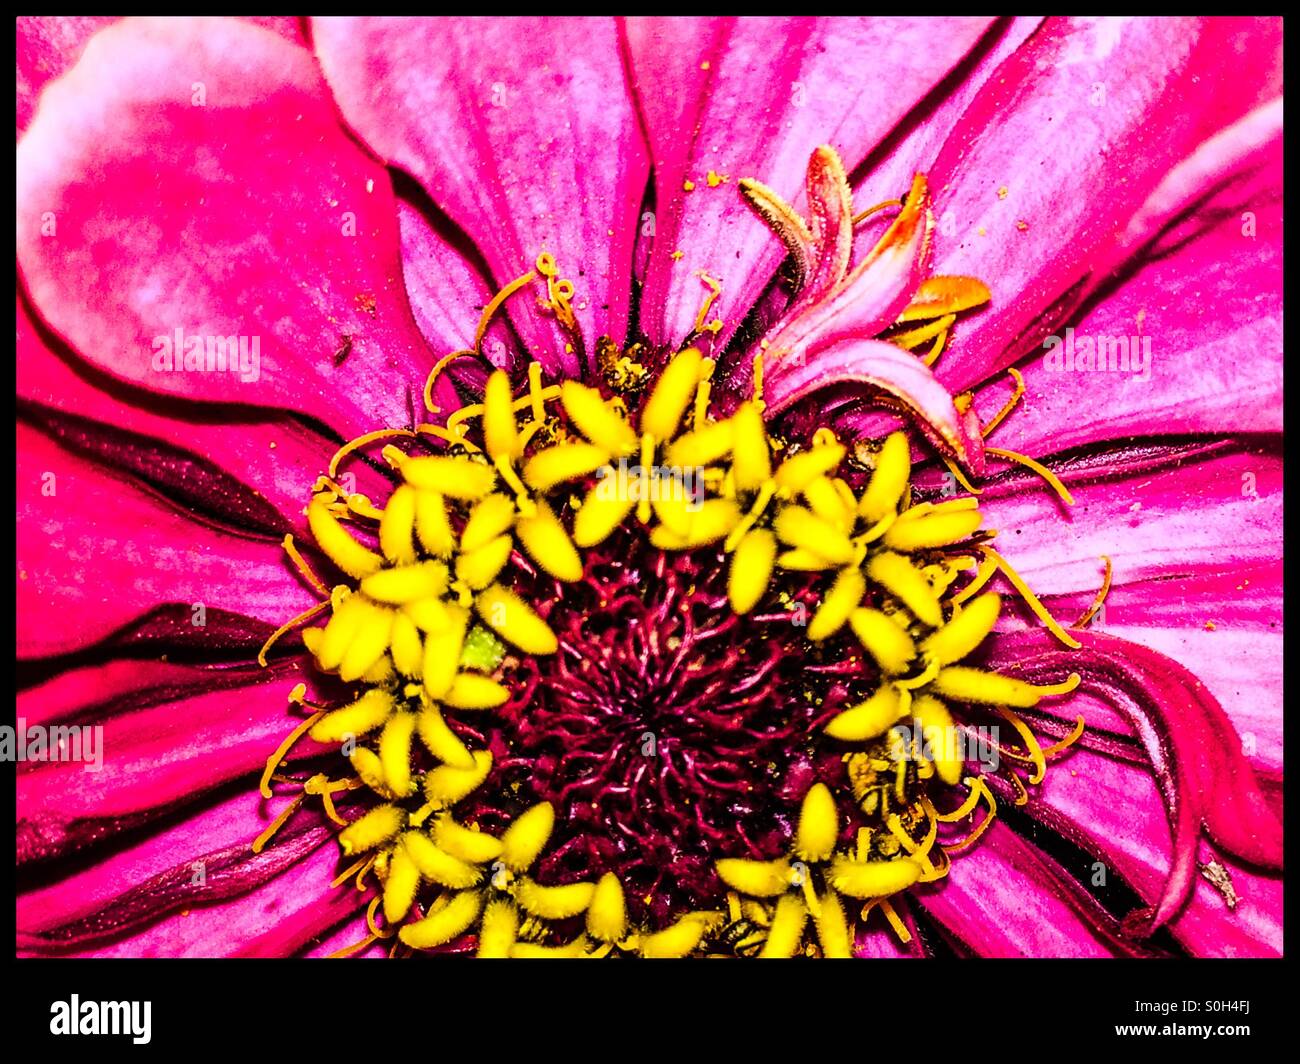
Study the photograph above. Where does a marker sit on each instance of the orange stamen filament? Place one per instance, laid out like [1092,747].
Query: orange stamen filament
[1008,406]
[1100,597]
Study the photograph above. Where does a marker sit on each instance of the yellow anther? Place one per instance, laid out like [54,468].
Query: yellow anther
[372,829]
[751,462]
[819,825]
[364,715]
[470,690]
[478,568]
[897,575]
[759,879]
[596,419]
[799,470]
[442,650]
[397,526]
[751,569]
[607,914]
[440,740]
[974,685]
[932,530]
[702,447]
[370,642]
[676,940]
[873,879]
[467,844]
[499,929]
[537,395]
[554,903]
[500,433]
[492,516]
[884,639]
[338,545]
[868,719]
[798,527]
[564,462]
[349,614]
[966,631]
[602,511]
[523,841]
[370,770]
[840,602]
[548,544]
[785,934]
[832,927]
[941,295]
[803,561]
[704,389]
[1031,600]
[407,647]
[449,922]
[438,864]
[671,395]
[515,621]
[889,480]
[432,525]
[643,483]
[395,753]
[407,583]
[454,477]
[378,673]
[446,785]
[1051,478]
[827,502]
[713,520]
[429,615]
[941,737]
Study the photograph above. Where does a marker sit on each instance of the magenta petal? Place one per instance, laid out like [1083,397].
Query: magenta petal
[754,98]
[1201,336]
[522,132]
[1042,173]
[887,367]
[1132,505]
[264,221]
[45,46]
[1005,899]
[160,751]
[1114,810]
[106,552]
[1195,753]
[196,891]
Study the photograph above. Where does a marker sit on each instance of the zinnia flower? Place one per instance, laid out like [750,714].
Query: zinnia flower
[557,459]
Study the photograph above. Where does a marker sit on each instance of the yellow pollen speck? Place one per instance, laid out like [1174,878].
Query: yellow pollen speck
[688,185]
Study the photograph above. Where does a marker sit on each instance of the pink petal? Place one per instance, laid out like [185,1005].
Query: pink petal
[1201,329]
[159,751]
[914,144]
[1004,899]
[265,221]
[1116,812]
[104,551]
[45,46]
[1048,164]
[522,132]
[887,367]
[1157,510]
[256,473]
[753,98]
[1204,778]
